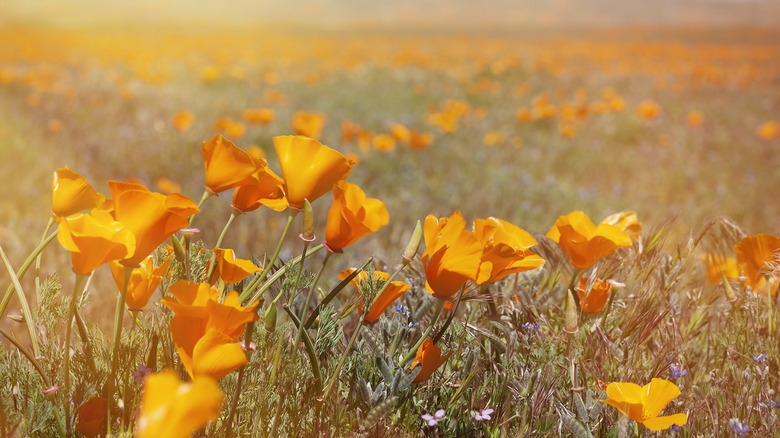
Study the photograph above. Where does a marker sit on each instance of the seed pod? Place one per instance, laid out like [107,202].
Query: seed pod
[270,318]
[414,243]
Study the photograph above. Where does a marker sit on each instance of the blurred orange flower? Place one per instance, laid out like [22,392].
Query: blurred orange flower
[626,221]
[584,242]
[644,404]
[206,331]
[92,417]
[452,255]
[694,119]
[174,409]
[768,130]
[352,216]
[72,193]
[754,253]
[151,217]
[429,356]
[309,168]
[143,281]
[259,116]
[420,140]
[183,120]
[94,240]
[400,132]
[308,124]
[648,110]
[524,115]
[505,250]
[167,186]
[393,291]
[383,143]
[594,300]
[716,266]
[227,165]
[231,269]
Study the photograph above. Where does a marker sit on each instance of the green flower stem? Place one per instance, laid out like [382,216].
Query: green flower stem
[300,271]
[206,195]
[315,364]
[28,355]
[252,286]
[66,357]
[384,286]
[38,261]
[770,310]
[23,270]
[234,402]
[311,292]
[84,334]
[213,263]
[332,294]
[259,279]
[413,352]
[447,323]
[471,317]
[119,315]
[22,302]
[344,355]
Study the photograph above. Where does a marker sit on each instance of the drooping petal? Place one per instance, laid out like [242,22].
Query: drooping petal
[216,355]
[94,240]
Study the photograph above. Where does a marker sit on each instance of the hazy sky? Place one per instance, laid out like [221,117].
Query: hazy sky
[395,13]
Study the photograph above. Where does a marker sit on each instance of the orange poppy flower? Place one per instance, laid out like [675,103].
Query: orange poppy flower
[420,140]
[524,115]
[151,217]
[392,292]
[227,166]
[230,269]
[649,110]
[626,221]
[452,255]
[174,409]
[383,143]
[349,130]
[206,331]
[431,359]
[72,193]
[400,132]
[644,404]
[259,116]
[504,250]
[584,242]
[308,124]
[167,186]
[716,266]
[94,240]
[309,168]
[753,253]
[92,417]
[768,130]
[352,216]
[594,300]
[143,281]
[183,120]
[694,119]
[265,188]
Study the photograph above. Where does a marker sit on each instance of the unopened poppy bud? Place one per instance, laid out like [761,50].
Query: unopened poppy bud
[178,251]
[570,323]
[270,318]
[730,295]
[16,318]
[414,243]
[308,222]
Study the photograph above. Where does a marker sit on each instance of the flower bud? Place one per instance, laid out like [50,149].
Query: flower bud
[270,318]
[570,323]
[414,243]
[178,251]
[730,295]
[308,222]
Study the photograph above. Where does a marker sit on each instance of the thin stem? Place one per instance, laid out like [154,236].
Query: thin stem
[234,402]
[311,292]
[66,358]
[206,195]
[38,262]
[84,334]
[344,355]
[315,364]
[213,263]
[22,302]
[332,294]
[23,270]
[252,286]
[259,279]
[413,352]
[119,315]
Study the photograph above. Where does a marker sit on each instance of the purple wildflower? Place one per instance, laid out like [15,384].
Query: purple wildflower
[142,372]
[760,358]
[529,326]
[433,419]
[483,414]
[676,428]
[676,372]
[738,427]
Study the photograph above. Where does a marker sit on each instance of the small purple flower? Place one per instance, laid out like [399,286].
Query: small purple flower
[738,427]
[433,419]
[142,372]
[760,358]
[676,428]
[676,372]
[483,414]
[529,326]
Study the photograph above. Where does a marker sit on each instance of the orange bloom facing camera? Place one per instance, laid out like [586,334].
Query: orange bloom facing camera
[584,242]
[352,216]
[753,255]
[504,250]
[309,168]
[452,255]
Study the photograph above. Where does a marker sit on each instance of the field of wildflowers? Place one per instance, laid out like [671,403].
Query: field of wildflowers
[233,232]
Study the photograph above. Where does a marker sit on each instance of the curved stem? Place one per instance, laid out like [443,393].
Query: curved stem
[119,314]
[22,302]
[413,352]
[38,261]
[213,263]
[28,355]
[23,270]
[311,292]
[252,286]
[259,279]
[206,195]
[332,294]
[66,358]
